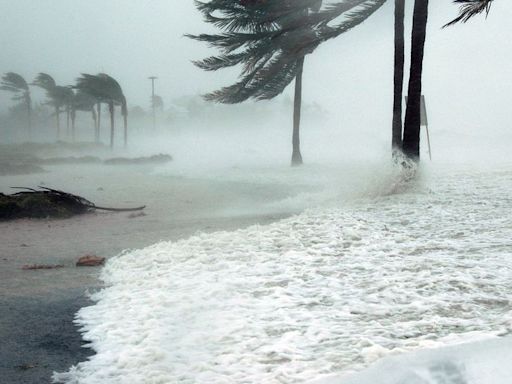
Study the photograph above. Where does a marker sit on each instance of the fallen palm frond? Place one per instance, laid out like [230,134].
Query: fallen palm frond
[48,203]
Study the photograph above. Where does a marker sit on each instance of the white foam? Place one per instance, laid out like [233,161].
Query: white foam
[327,291]
[485,362]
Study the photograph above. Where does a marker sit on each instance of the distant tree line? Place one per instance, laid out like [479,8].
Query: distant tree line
[269,40]
[88,94]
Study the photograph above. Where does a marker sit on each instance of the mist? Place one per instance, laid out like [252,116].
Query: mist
[220,262]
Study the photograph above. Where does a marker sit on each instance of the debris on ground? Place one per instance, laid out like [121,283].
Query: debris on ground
[48,203]
[90,261]
[35,267]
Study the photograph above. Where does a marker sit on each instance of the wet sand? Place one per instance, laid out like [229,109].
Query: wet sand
[37,307]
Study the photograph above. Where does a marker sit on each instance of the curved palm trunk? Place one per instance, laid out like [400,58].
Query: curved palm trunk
[29,118]
[411,143]
[112,117]
[125,121]
[57,116]
[73,117]
[95,119]
[98,126]
[297,103]
[396,141]
[68,119]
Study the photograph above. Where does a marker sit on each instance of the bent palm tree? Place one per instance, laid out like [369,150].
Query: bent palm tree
[58,96]
[269,39]
[83,102]
[68,96]
[16,84]
[105,89]
[469,9]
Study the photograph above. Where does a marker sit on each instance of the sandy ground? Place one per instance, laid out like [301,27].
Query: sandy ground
[37,307]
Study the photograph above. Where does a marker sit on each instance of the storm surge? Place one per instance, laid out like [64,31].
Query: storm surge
[328,291]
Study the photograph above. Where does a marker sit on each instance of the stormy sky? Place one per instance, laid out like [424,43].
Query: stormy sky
[468,77]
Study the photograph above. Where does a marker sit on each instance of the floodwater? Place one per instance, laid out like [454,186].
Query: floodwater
[376,264]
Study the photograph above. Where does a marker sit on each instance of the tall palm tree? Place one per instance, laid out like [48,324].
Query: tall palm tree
[83,102]
[469,9]
[69,96]
[58,96]
[399,74]
[411,141]
[106,89]
[269,39]
[16,84]
[273,37]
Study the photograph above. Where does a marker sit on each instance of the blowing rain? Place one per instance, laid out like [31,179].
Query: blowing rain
[255,191]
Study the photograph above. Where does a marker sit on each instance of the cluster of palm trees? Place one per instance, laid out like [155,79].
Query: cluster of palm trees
[270,39]
[89,92]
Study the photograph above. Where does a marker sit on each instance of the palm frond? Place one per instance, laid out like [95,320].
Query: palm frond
[353,12]
[44,81]
[13,82]
[268,38]
[470,9]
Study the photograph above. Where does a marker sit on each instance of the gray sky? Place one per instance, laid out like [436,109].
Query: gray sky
[467,68]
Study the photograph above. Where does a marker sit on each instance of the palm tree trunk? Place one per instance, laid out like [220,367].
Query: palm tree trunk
[29,119]
[297,103]
[57,116]
[396,141]
[98,126]
[73,117]
[95,119]
[68,112]
[125,121]
[411,143]
[112,117]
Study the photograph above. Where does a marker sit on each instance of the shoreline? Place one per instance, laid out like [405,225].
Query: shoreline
[36,328]
[38,307]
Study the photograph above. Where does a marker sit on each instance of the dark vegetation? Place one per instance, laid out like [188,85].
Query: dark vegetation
[48,203]
[88,94]
[269,39]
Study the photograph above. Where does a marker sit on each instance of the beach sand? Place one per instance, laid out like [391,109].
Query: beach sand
[37,307]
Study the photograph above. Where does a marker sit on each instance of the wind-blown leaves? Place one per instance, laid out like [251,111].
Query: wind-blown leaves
[58,96]
[103,88]
[269,37]
[13,82]
[353,12]
[470,9]
[16,84]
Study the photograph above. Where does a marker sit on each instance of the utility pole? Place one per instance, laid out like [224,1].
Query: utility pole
[153,78]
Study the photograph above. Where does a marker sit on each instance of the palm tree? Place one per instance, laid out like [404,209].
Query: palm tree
[58,96]
[16,84]
[411,141]
[399,75]
[105,89]
[275,38]
[68,96]
[270,39]
[469,9]
[83,102]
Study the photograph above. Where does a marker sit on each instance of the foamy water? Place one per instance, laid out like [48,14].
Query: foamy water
[328,291]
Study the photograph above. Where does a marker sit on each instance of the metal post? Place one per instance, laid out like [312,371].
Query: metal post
[153,78]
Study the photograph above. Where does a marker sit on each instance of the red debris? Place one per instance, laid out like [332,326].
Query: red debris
[90,261]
